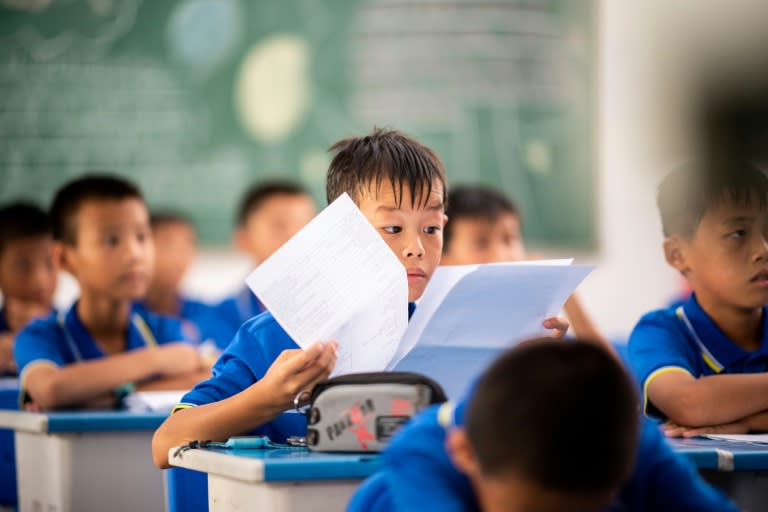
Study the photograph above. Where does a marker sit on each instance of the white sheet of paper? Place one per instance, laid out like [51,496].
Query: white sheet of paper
[338,280]
[468,314]
[747,438]
[153,401]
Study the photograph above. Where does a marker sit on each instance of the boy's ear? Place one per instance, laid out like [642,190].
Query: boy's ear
[461,453]
[242,242]
[62,257]
[674,253]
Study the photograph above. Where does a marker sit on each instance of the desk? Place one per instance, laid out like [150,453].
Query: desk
[277,479]
[723,455]
[83,461]
[740,469]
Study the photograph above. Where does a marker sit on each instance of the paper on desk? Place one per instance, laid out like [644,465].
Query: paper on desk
[153,401]
[747,438]
[338,280]
[469,314]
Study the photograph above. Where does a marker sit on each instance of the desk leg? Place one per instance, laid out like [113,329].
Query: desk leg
[225,495]
[85,472]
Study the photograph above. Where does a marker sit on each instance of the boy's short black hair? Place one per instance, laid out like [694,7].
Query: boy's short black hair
[162,217]
[258,193]
[546,407]
[689,191]
[475,202]
[22,219]
[360,162]
[72,195]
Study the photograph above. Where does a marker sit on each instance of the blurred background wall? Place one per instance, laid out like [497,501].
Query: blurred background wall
[572,107]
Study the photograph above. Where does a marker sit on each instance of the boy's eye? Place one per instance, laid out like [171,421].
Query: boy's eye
[392,229]
[739,233]
[431,230]
[141,237]
[112,240]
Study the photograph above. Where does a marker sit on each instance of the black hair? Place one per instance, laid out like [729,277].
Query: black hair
[475,202]
[546,406]
[162,217]
[689,191]
[71,196]
[360,162]
[22,219]
[258,194]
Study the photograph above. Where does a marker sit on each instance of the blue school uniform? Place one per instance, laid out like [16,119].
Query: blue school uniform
[417,474]
[61,338]
[246,360]
[200,322]
[684,338]
[238,309]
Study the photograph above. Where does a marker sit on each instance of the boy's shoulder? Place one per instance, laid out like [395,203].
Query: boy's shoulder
[258,342]
[48,326]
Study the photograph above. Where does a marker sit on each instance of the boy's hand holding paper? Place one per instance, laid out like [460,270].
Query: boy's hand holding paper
[338,280]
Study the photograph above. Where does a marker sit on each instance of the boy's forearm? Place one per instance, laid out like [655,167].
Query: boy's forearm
[77,383]
[581,324]
[758,423]
[217,421]
[714,399]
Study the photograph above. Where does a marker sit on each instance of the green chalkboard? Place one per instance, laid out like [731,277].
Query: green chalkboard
[196,99]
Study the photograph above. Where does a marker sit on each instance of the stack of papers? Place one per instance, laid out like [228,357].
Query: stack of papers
[338,280]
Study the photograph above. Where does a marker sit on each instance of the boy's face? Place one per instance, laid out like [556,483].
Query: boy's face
[726,259]
[274,223]
[414,233]
[511,491]
[481,240]
[27,271]
[113,254]
[175,249]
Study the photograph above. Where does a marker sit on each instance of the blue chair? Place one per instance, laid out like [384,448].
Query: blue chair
[187,490]
[9,399]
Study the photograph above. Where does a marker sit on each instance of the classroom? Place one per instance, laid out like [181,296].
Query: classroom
[197,311]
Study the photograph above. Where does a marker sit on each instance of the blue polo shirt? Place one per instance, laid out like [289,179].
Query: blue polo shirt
[684,338]
[418,474]
[61,338]
[238,309]
[201,322]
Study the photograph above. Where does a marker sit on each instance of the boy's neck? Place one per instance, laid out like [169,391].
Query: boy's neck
[164,301]
[743,326]
[106,320]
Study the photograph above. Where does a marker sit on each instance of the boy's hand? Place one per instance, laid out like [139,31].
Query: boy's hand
[674,430]
[299,370]
[558,325]
[175,359]
[19,313]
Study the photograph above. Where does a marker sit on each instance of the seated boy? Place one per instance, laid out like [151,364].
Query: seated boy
[399,186]
[27,273]
[175,243]
[269,215]
[100,348]
[550,426]
[702,365]
[484,226]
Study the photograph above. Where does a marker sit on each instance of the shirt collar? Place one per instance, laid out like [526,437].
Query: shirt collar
[724,351]
[79,335]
